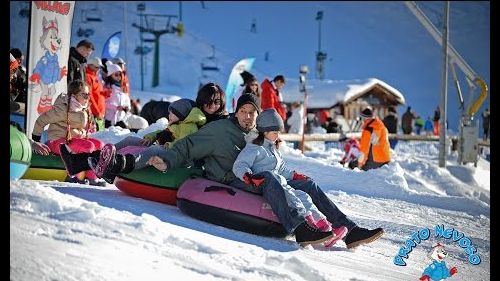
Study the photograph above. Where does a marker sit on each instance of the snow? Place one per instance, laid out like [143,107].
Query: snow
[65,231]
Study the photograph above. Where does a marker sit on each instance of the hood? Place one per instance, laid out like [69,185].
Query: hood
[250,136]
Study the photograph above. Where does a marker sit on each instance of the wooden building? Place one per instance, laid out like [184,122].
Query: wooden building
[345,98]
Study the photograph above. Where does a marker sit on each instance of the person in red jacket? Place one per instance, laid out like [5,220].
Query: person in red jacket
[351,151]
[97,93]
[374,144]
[270,96]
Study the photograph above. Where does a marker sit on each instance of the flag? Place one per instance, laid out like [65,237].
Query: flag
[112,46]
[235,80]
[50,39]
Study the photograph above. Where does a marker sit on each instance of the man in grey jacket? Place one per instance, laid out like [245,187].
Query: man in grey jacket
[218,144]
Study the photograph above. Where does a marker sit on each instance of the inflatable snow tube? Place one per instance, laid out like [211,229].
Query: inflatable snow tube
[151,184]
[20,153]
[230,207]
[46,167]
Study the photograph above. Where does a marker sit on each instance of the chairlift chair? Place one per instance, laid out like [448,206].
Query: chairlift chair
[94,14]
[210,63]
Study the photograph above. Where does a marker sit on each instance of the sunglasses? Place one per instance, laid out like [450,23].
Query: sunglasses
[84,95]
[216,102]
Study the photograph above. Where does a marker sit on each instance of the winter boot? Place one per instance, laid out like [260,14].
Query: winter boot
[339,233]
[75,179]
[359,236]
[305,235]
[75,163]
[324,225]
[96,182]
[106,157]
[117,164]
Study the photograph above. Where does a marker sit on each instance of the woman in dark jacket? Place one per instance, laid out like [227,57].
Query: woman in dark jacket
[391,123]
[212,102]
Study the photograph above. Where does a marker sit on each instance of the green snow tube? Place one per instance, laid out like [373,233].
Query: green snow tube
[20,153]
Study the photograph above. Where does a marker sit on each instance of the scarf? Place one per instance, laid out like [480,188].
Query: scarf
[75,105]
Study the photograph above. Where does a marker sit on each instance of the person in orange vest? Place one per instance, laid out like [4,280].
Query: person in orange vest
[97,94]
[374,144]
[270,96]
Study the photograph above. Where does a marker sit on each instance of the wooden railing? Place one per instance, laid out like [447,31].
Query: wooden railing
[336,136]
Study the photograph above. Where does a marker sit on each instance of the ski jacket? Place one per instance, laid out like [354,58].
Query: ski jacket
[428,126]
[374,144]
[217,143]
[97,96]
[117,98]
[391,123]
[193,121]
[352,150]
[406,120]
[56,119]
[75,65]
[270,99]
[255,158]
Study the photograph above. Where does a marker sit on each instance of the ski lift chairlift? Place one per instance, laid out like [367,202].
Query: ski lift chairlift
[210,63]
[93,15]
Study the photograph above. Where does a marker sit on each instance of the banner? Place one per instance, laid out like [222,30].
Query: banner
[50,38]
[112,46]
[233,84]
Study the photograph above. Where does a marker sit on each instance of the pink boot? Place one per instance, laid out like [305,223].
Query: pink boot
[339,233]
[324,225]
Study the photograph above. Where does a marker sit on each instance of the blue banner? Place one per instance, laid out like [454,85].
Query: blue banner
[112,46]
[235,81]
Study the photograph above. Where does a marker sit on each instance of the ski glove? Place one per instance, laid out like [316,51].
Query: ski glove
[151,136]
[424,278]
[298,176]
[254,180]
[36,138]
[453,270]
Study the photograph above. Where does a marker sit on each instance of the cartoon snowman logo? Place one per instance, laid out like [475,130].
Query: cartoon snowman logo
[437,270]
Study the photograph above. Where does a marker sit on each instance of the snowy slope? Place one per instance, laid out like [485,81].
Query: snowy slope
[62,231]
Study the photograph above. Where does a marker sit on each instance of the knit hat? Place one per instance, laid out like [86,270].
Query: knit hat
[367,112]
[118,61]
[95,61]
[181,108]
[248,98]
[247,77]
[269,120]
[112,68]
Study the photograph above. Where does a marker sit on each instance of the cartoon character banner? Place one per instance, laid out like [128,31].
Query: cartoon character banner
[50,34]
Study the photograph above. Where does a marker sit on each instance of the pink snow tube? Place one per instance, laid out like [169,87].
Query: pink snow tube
[229,207]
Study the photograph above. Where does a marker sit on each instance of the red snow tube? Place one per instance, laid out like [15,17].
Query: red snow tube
[151,184]
[229,207]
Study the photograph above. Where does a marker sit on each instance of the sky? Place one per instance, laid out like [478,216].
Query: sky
[362,40]
[65,231]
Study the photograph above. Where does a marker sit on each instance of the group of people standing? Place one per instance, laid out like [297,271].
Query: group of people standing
[411,120]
